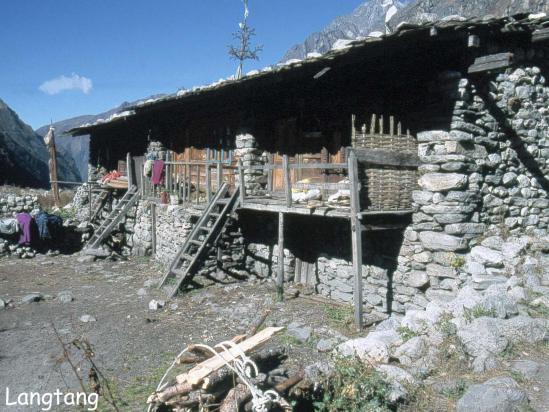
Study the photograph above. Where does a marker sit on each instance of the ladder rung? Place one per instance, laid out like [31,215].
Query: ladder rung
[205,228]
[178,272]
[215,214]
[223,201]
[186,257]
[196,242]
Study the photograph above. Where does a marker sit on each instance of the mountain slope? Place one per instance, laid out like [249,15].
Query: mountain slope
[370,16]
[23,154]
[366,18]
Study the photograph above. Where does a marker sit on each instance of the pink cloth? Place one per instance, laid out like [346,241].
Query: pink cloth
[157,172]
[24,220]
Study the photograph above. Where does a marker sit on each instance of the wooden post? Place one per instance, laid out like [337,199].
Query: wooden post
[287,180]
[356,238]
[197,184]
[129,169]
[353,130]
[208,182]
[297,273]
[270,173]
[167,174]
[49,139]
[280,268]
[219,175]
[241,182]
[153,225]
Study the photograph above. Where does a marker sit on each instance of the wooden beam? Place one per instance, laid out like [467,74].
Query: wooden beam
[129,169]
[386,158]
[287,181]
[356,239]
[280,263]
[540,35]
[491,62]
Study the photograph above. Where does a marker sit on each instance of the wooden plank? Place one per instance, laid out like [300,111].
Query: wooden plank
[202,370]
[287,181]
[540,35]
[198,184]
[280,263]
[356,239]
[387,158]
[292,166]
[322,186]
[491,62]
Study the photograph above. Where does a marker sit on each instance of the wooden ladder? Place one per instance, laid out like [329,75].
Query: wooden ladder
[208,228]
[97,205]
[107,226]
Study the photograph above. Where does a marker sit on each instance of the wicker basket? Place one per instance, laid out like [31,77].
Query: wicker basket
[386,188]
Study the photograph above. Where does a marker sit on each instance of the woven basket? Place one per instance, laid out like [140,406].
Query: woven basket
[387,188]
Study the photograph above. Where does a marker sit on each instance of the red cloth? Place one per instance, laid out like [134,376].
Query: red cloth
[110,176]
[158,172]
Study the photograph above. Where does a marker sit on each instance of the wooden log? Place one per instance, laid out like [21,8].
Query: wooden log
[356,238]
[280,263]
[287,181]
[491,62]
[286,385]
[182,388]
[236,397]
[257,324]
[540,35]
[387,158]
[202,370]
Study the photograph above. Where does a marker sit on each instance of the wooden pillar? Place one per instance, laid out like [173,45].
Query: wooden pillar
[208,182]
[49,139]
[280,265]
[287,180]
[129,170]
[242,184]
[153,228]
[219,175]
[356,238]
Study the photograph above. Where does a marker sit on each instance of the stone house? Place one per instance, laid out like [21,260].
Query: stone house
[446,122]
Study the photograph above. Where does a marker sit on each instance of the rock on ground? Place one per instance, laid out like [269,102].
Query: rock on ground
[32,297]
[299,332]
[65,296]
[495,395]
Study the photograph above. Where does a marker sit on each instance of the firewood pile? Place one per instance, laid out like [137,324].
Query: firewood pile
[235,375]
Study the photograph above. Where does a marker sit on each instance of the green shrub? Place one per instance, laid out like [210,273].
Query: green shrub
[406,333]
[354,387]
[477,311]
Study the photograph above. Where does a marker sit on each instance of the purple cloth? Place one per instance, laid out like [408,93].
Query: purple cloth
[157,172]
[24,220]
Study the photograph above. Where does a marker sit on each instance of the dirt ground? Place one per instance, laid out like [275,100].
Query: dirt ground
[133,345]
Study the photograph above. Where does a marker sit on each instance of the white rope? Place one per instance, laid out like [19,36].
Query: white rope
[241,365]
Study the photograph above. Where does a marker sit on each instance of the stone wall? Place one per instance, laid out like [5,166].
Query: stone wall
[483,198]
[12,203]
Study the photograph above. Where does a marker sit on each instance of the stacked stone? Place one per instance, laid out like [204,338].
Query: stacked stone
[262,260]
[255,181]
[173,226]
[515,186]
[446,209]
[11,203]
[156,151]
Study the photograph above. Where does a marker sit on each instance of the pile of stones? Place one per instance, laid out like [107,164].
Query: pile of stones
[255,181]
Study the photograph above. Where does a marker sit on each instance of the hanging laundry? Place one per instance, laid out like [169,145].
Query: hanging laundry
[8,226]
[157,172]
[41,220]
[110,176]
[25,221]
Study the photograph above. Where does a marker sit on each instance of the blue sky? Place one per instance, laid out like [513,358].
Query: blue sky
[98,53]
